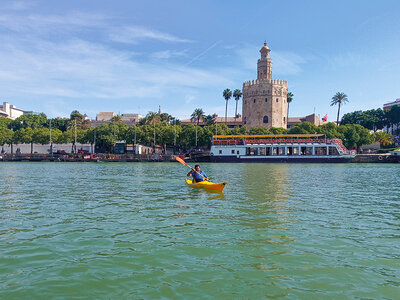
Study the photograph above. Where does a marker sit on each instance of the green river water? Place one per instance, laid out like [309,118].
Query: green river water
[135,231]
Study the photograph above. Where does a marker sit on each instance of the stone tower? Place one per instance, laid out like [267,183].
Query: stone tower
[264,99]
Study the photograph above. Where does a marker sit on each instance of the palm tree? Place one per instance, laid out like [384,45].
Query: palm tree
[227,95]
[383,138]
[237,94]
[198,114]
[339,98]
[289,99]
[153,118]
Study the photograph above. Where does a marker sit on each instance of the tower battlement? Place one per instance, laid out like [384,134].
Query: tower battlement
[272,82]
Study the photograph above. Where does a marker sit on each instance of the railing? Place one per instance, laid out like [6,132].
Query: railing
[270,141]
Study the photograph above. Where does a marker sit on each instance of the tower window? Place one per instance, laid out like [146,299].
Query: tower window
[254,100]
[284,119]
[266,99]
[277,99]
[265,120]
[245,101]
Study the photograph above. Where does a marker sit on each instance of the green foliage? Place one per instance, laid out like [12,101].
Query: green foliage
[339,99]
[5,122]
[259,130]
[383,138]
[373,119]
[278,130]
[354,135]
[303,128]
[6,135]
[31,121]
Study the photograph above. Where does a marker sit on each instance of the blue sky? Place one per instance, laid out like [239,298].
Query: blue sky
[132,56]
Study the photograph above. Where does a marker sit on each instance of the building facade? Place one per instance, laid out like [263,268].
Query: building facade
[265,99]
[388,106]
[10,111]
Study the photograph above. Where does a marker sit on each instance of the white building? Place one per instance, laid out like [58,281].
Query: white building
[10,111]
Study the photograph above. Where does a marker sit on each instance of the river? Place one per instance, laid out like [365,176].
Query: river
[134,230]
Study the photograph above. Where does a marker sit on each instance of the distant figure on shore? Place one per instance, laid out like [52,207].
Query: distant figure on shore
[197,174]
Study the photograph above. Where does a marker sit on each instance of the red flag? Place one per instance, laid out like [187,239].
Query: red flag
[325,118]
[134,121]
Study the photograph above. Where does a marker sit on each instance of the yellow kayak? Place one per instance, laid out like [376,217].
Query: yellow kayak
[208,185]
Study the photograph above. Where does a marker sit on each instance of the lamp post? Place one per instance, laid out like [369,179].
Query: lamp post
[174,134]
[11,127]
[51,142]
[75,136]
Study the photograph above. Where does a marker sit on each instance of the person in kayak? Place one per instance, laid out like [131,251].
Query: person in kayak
[197,174]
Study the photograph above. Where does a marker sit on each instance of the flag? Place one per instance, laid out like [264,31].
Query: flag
[325,118]
[134,121]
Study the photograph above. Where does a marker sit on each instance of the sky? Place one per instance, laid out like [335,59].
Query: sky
[134,56]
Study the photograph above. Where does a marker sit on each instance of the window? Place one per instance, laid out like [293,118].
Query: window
[284,119]
[265,119]
[262,151]
[266,99]
[220,151]
[233,151]
[254,100]
[245,101]
[333,150]
[277,99]
[250,151]
[237,152]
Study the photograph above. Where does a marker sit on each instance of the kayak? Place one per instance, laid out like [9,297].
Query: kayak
[208,185]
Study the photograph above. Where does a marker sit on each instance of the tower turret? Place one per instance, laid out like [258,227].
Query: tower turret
[264,64]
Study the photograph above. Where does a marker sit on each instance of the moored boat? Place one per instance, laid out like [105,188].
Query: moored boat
[300,148]
[208,185]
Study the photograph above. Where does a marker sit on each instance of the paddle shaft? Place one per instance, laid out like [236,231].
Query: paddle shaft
[184,163]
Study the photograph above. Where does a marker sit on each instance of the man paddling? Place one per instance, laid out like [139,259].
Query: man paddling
[197,174]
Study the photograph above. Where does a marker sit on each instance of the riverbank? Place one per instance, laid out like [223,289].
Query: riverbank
[360,158]
[89,158]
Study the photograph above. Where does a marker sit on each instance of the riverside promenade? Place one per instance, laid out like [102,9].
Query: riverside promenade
[360,158]
[88,158]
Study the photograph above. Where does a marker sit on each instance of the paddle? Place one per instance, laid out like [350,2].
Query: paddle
[185,164]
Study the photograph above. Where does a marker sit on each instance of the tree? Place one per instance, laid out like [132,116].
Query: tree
[303,128]
[339,98]
[209,120]
[31,121]
[383,138]
[81,122]
[227,95]
[289,99]
[355,135]
[6,135]
[237,94]
[116,118]
[197,115]
[5,122]
[24,136]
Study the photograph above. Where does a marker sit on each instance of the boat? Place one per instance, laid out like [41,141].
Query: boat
[208,185]
[283,148]
[395,154]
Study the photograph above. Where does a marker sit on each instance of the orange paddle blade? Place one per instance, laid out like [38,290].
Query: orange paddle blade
[181,161]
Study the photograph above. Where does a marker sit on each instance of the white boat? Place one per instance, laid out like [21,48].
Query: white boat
[300,148]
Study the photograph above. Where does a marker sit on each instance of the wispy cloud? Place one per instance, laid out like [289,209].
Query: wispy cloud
[46,60]
[135,34]
[168,54]
[17,5]
[197,57]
